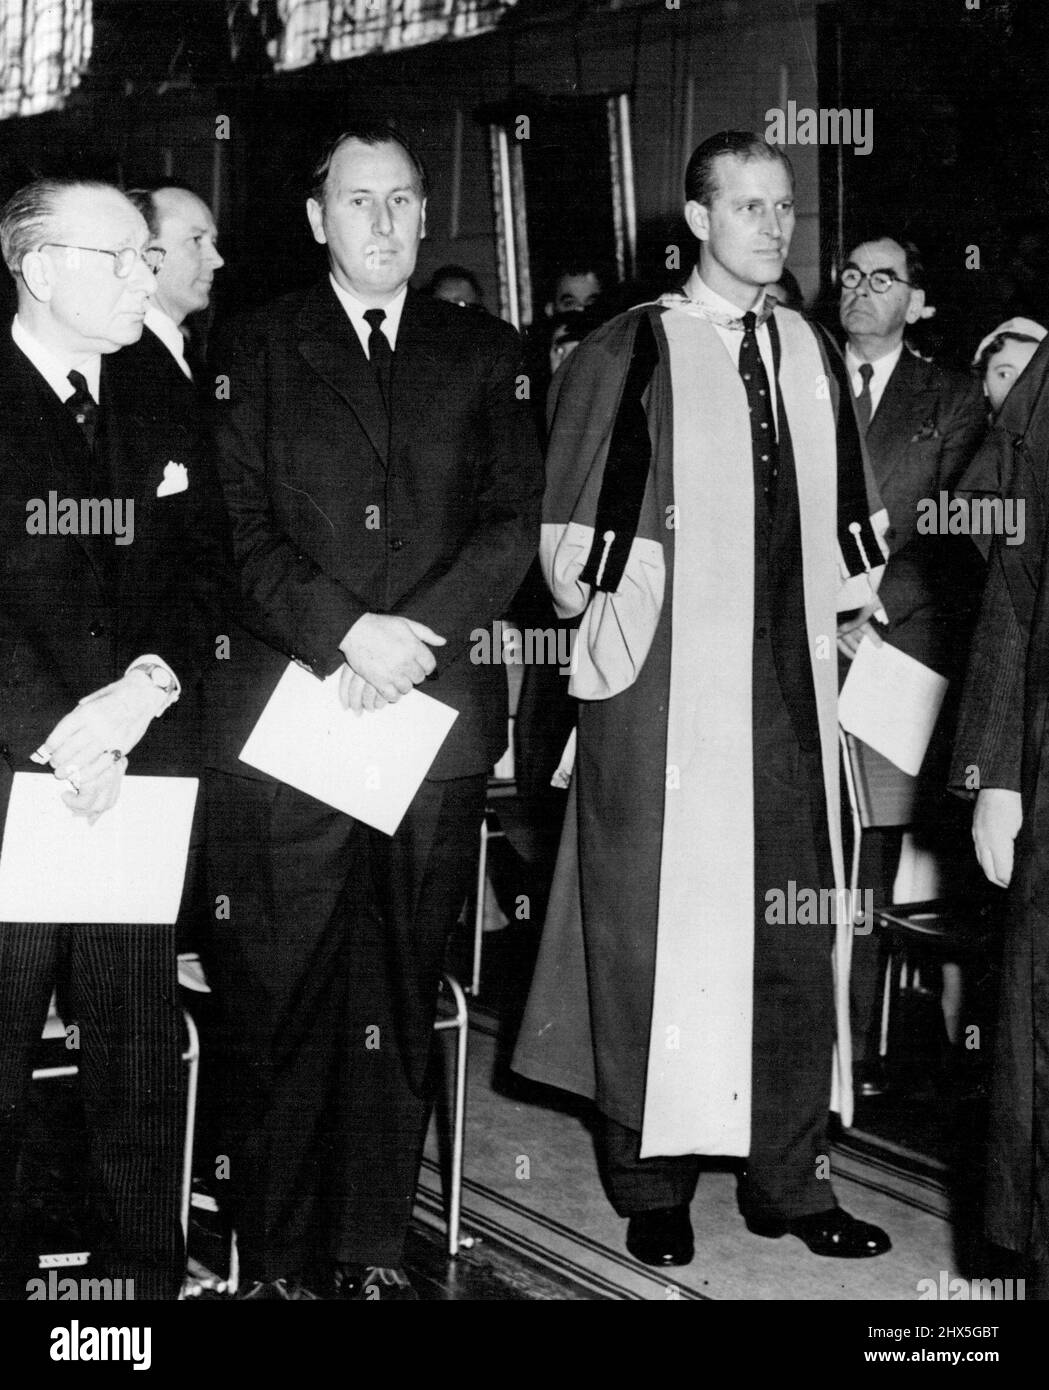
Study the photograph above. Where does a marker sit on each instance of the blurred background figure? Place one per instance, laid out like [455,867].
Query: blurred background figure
[457,285]
[567,331]
[578,284]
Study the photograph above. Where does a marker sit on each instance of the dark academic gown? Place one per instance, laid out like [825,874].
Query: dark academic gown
[643,997]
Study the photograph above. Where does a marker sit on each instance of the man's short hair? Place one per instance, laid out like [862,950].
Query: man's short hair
[28,217]
[145,199]
[368,133]
[912,256]
[701,184]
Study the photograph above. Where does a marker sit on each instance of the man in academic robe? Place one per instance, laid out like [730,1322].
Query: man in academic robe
[922,424]
[703,474]
[1000,758]
[103,638]
[383,484]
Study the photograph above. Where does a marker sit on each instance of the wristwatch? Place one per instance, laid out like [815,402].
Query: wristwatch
[160,677]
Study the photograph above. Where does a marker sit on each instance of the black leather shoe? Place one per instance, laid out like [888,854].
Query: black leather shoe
[662,1237]
[368,1283]
[833,1233]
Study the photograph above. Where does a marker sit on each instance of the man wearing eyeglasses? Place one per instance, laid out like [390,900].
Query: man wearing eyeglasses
[100,646]
[922,424]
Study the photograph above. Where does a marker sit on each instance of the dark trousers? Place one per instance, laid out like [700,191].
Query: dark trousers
[793,1030]
[327,971]
[120,992]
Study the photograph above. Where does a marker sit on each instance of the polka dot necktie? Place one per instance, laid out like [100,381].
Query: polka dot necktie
[759,402]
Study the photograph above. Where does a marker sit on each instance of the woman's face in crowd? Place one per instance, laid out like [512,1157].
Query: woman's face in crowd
[1003,369]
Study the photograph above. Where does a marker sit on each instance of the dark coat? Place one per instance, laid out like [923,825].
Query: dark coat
[76,610]
[334,514]
[928,425]
[1001,741]
[181,393]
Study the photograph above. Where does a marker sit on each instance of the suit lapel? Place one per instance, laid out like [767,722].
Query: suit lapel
[901,413]
[48,449]
[327,341]
[420,366]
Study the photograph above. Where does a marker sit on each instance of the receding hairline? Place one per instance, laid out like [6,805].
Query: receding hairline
[415,182]
[181,202]
[63,209]
[174,194]
[878,241]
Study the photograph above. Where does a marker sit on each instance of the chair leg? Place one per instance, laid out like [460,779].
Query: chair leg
[460,1023]
[482,874]
[886,1005]
[233,1282]
[191,1057]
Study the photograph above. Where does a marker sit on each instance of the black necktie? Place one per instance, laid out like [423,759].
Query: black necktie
[379,353]
[193,358]
[83,406]
[864,403]
[759,401]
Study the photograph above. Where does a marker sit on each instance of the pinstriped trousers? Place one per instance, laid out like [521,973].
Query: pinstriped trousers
[122,995]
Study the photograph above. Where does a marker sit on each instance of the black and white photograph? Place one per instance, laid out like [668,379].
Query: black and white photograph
[524,671]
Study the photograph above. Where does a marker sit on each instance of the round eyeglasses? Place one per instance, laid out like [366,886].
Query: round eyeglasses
[880,281]
[123,260]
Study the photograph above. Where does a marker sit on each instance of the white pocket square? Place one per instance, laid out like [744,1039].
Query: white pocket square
[176,479]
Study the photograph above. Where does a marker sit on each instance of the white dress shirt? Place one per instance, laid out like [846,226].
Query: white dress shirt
[54,369]
[883,369]
[696,288]
[356,309]
[169,333]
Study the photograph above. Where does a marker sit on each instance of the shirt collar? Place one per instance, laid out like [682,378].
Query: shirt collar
[53,368]
[356,309]
[169,333]
[883,366]
[697,288]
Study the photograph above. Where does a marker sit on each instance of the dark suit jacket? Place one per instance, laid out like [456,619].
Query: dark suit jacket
[927,426]
[76,610]
[176,390]
[334,514]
